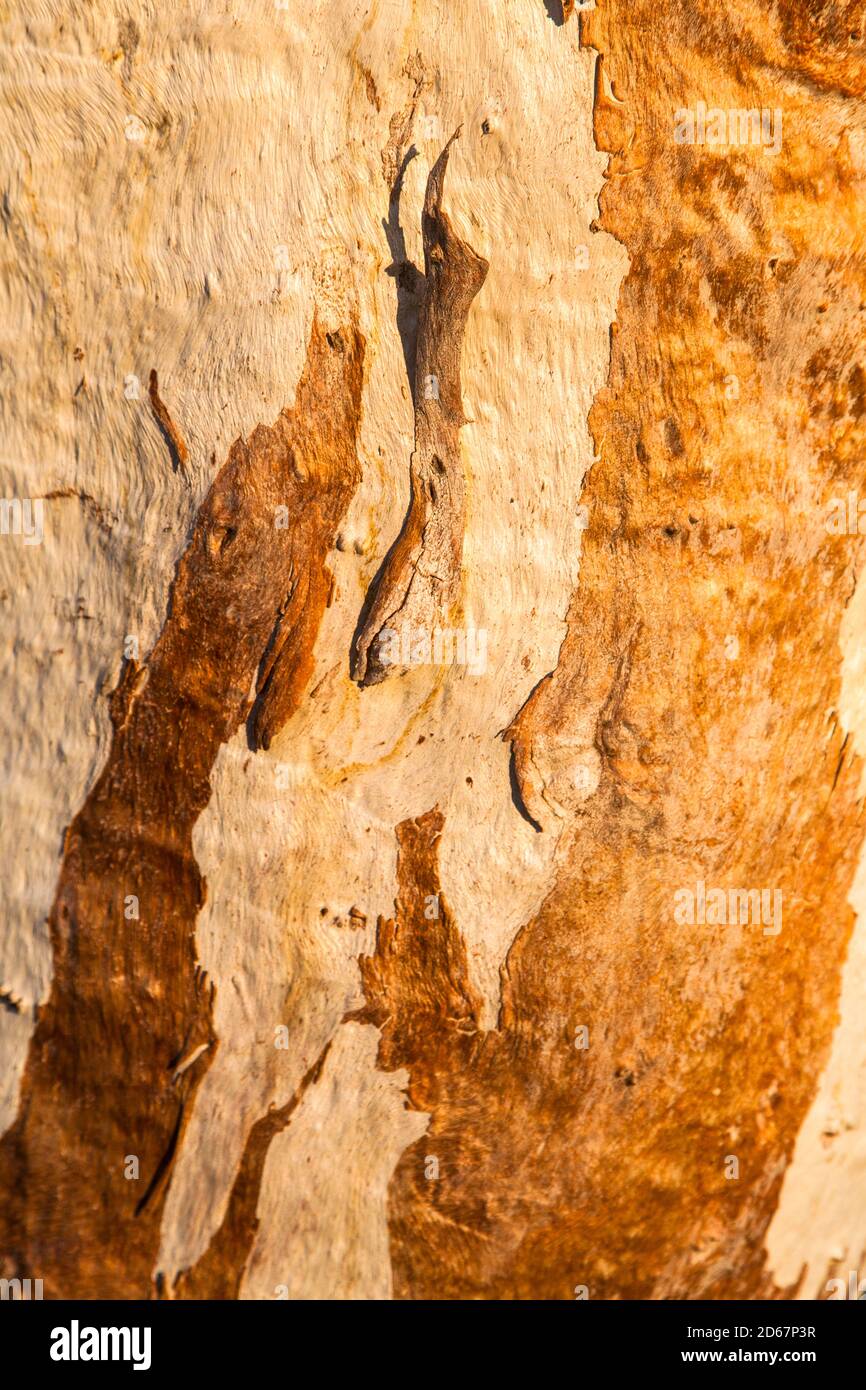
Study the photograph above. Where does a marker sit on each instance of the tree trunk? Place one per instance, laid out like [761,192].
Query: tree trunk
[434,718]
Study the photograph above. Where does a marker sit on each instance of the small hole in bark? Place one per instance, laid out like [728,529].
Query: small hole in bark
[438,464]
[220,538]
[671,531]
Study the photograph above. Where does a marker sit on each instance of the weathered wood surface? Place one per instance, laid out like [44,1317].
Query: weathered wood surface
[329,973]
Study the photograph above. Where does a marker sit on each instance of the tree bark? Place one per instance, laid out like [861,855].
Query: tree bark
[434,723]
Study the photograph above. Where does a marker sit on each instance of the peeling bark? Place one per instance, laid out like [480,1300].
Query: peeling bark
[126,1035]
[420,583]
[509,1067]
[173,438]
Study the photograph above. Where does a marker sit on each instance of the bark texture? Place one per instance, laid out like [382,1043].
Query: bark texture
[419,587]
[317,984]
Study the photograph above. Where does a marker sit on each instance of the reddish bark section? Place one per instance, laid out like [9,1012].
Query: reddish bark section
[704,647]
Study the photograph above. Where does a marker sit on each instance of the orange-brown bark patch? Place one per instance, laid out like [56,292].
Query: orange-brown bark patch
[105,1077]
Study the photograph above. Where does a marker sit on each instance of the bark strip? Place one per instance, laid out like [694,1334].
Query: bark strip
[173,438]
[420,581]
